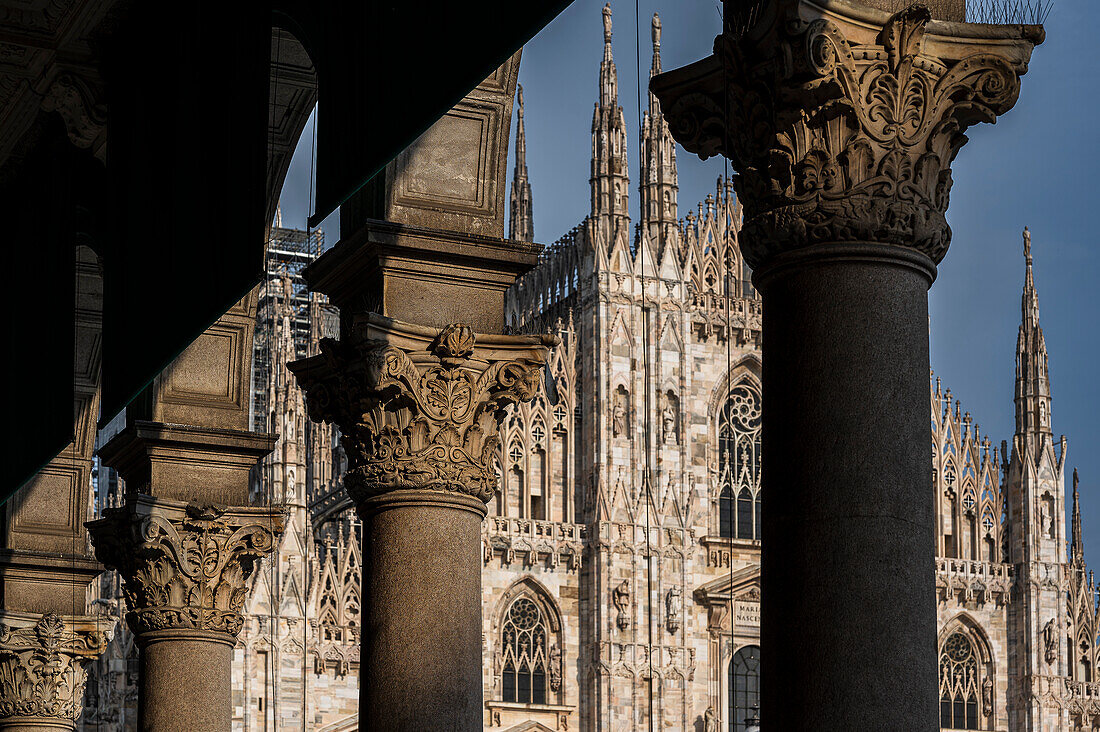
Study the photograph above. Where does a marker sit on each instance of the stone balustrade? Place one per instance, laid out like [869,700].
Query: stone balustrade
[974,580]
[531,540]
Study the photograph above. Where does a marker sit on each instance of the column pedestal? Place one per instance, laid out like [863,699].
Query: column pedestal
[847,521]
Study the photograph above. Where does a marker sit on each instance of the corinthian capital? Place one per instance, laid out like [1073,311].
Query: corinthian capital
[184,565]
[842,120]
[42,665]
[418,408]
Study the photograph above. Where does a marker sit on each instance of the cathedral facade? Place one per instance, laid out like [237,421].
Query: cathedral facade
[621,551]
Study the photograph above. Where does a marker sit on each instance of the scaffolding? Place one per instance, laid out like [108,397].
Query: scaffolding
[287,253]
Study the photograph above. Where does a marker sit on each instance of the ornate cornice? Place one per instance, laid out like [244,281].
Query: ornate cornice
[419,408]
[42,664]
[843,128]
[184,565]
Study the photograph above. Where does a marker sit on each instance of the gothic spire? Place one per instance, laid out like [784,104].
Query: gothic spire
[610,178]
[522,222]
[659,184]
[1032,377]
[1077,549]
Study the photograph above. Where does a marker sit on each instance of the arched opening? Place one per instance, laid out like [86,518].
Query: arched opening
[739,463]
[525,653]
[959,683]
[744,687]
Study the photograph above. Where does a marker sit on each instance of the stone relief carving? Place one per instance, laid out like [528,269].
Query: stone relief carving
[412,419]
[184,565]
[72,98]
[42,664]
[620,597]
[840,142]
[673,607]
[987,696]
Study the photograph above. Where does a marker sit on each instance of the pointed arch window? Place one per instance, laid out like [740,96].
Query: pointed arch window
[958,683]
[524,646]
[744,687]
[739,463]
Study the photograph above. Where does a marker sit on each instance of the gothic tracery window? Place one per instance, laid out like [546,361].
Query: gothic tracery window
[739,464]
[524,653]
[959,683]
[744,687]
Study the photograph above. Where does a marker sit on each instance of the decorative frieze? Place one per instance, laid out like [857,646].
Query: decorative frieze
[43,661]
[184,565]
[419,408]
[842,132]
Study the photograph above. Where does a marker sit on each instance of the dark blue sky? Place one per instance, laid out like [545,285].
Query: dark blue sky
[1035,167]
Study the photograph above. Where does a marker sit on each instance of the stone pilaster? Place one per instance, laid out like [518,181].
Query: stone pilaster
[418,411]
[42,669]
[185,569]
[842,122]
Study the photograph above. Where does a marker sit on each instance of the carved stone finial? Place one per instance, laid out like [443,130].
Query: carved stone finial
[656,30]
[607,23]
[1027,244]
[454,344]
[840,133]
[42,664]
[184,565]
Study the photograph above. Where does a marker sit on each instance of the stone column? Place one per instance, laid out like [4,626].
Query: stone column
[418,405]
[185,569]
[417,409]
[184,541]
[842,122]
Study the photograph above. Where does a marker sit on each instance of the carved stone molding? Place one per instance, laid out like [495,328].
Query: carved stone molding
[42,664]
[842,121]
[419,408]
[184,565]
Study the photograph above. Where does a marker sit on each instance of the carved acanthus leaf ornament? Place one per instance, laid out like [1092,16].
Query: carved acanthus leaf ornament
[839,135]
[418,418]
[185,566]
[42,664]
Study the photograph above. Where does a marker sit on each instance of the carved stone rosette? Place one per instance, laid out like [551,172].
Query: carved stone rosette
[418,408]
[185,565]
[842,121]
[42,665]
